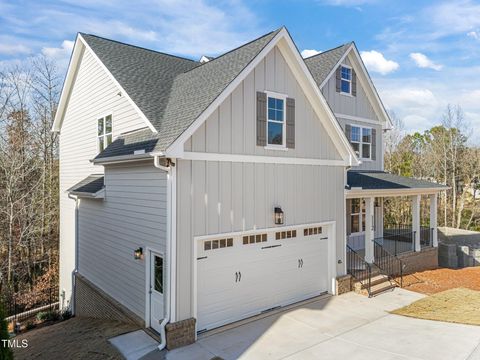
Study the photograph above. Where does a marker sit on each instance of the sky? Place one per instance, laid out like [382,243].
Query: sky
[421,55]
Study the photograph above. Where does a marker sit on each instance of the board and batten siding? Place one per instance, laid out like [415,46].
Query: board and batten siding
[132,215]
[231,129]
[366,164]
[94,94]
[358,105]
[216,197]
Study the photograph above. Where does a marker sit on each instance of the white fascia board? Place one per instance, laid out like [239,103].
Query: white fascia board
[72,69]
[317,100]
[75,57]
[121,158]
[361,193]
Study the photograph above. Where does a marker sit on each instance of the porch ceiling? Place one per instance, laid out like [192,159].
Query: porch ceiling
[380,183]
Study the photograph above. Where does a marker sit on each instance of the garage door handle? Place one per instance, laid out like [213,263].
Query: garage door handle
[236,277]
[239,276]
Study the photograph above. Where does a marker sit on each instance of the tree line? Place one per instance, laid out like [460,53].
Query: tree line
[29,94]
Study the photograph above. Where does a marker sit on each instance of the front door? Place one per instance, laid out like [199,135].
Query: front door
[156,290]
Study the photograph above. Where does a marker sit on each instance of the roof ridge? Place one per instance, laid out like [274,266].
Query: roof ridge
[234,49]
[326,51]
[139,47]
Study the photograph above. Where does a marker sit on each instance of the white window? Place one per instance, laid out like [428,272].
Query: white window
[276,125]
[357,216]
[104,132]
[361,140]
[346,80]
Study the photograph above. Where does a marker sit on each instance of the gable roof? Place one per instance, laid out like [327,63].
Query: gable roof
[321,65]
[174,94]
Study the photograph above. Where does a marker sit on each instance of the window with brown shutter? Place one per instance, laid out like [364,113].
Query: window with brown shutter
[261,118]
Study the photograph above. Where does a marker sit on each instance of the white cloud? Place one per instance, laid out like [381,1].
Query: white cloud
[309,52]
[14,49]
[423,61]
[376,62]
[59,52]
[473,34]
[454,16]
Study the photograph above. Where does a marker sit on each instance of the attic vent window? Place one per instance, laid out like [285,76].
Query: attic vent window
[346,80]
[104,132]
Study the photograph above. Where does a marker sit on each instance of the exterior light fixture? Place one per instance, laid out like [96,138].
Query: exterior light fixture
[138,254]
[278,216]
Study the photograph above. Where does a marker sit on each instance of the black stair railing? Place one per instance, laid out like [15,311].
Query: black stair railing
[359,269]
[388,263]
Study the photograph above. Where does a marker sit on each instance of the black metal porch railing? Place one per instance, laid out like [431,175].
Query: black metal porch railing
[426,237]
[388,263]
[397,239]
[359,269]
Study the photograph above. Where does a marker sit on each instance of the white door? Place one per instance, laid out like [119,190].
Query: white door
[156,290]
[249,277]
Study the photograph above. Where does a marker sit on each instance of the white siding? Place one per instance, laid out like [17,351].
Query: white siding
[220,197]
[231,129]
[94,94]
[349,105]
[132,215]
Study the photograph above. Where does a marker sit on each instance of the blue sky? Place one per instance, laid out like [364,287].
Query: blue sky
[421,55]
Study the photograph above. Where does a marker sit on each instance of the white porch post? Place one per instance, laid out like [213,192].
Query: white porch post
[433,219]
[416,220]
[369,229]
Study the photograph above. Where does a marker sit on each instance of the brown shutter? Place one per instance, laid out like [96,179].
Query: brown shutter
[348,132]
[374,144]
[290,123]
[261,118]
[339,78]
[354,83]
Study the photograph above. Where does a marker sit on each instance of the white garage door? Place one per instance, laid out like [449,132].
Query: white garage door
[245,275]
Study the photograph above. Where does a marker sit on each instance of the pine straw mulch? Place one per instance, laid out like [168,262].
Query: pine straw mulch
[438,280]
[458,305]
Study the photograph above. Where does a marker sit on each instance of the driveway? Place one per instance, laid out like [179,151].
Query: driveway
[349,326]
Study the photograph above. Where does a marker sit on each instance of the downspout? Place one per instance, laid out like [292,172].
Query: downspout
[75,270]
[170,243]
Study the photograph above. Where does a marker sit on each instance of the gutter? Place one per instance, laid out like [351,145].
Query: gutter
[171,244]
[75,270]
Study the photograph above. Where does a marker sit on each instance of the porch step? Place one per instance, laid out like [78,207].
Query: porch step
[379,283]
[380,288]
[377,279]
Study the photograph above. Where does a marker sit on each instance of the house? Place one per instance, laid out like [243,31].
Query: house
[195,194]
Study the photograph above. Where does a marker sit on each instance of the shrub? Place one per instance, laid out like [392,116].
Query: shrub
[5,352]
[30,325]
[66,314]
[51,315]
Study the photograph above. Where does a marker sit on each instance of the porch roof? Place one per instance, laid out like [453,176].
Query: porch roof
[92,186]
[363,181]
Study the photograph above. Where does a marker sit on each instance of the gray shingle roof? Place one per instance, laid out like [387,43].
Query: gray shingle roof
[379,180]
[171,91]
[322,64]
[128,143]
[88,186]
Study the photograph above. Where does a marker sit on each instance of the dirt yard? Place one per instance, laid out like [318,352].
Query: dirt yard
[74,339]
[435,281]
[456,305]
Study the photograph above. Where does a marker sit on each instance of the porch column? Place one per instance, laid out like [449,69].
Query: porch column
[433,219]
[369,229]
[416,221]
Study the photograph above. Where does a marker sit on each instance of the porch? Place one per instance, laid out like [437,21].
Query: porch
[376,242]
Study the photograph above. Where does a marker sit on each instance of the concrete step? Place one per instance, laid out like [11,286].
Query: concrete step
[380,288]
[377,279]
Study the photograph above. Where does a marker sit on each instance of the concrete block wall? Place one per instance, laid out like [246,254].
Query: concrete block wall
[427,259]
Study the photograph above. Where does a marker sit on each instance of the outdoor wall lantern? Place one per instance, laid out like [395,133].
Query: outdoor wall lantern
[278,216]
[138,254]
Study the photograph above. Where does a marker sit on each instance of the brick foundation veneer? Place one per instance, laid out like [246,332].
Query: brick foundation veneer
[427,259]
[180,333]
[343,284]
[90,301]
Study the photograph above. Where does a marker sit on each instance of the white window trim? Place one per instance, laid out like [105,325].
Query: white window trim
[282,147]
[360,216]
[105,134]
[349,81]
[360,155]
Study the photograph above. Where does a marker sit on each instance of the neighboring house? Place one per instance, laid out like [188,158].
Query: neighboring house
[196,194]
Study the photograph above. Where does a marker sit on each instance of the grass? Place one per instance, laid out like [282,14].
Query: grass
[457,305]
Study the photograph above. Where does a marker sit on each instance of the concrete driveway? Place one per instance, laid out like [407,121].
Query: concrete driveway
[350,326]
